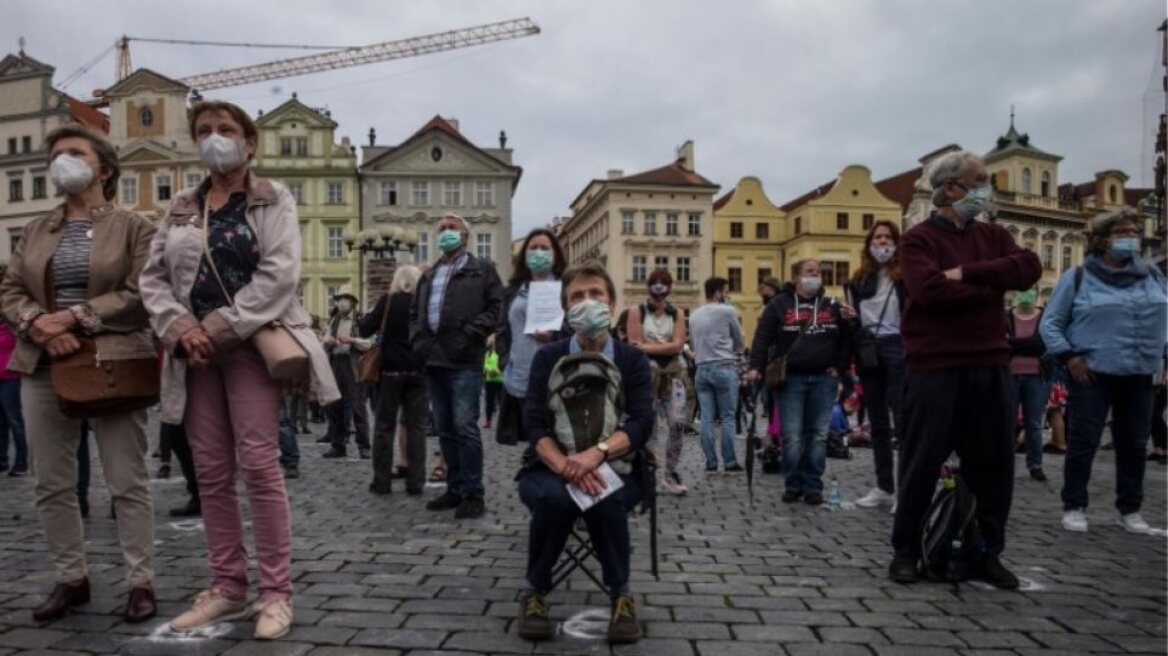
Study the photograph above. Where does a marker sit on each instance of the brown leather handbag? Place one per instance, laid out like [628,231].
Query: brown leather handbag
[369,366]
[88,387]
[776,370]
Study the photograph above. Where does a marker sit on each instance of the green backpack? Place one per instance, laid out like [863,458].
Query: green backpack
[585,404]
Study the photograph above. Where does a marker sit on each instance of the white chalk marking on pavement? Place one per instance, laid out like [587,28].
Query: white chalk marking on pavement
[1024,585]
[188,525]
[591,624]
[163,634]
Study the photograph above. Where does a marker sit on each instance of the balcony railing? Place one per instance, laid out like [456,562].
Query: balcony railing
[1036,200]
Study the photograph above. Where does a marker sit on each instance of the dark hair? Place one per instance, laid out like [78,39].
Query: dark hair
[521,273]
[868,264]
[715,285]
[659,276]
[107,155]
[1100,227]
[773,283]
[236,113]
[587,269]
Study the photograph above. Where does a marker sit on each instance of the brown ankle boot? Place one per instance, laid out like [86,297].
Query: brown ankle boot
[61,599]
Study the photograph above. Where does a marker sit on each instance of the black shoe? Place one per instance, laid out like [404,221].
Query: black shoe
[470,508]
[1037,474]
[375,489]
[813,499]
[363,453]
[335,453]
[623,627]
[83,503]
[533,623]
[992,571]
[164,471]
[447,501]
[292,472]
[734,469]
[791,496]
[903,569]
[324,440]
[193,508]
[712,470]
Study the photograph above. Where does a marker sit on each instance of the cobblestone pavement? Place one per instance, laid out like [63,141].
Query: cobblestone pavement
[381,575]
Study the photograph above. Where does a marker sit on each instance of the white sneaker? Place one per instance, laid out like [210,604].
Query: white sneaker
[672,484]
[1133,523]
[875,498]
[1075,520]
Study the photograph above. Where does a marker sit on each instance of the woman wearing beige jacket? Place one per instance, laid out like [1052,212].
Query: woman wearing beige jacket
[75,274]
[206,310]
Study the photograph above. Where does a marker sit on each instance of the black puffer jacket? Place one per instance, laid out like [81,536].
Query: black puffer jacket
[470,313]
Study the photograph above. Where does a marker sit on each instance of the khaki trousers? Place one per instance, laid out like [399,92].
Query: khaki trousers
[121,444]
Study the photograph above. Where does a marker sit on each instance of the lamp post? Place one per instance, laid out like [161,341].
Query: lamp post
[382,245]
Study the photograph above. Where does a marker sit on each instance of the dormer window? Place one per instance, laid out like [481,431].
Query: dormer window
[1112,194]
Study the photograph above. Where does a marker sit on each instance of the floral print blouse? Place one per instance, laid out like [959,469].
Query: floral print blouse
[233,245]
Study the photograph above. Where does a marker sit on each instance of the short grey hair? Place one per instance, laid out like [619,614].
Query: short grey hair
[405,279]
[949,166]
[461,221]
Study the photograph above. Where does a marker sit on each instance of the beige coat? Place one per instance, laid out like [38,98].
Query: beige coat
[271,295]
[113,314]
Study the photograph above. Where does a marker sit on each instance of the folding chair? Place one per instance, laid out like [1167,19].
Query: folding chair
[580,552]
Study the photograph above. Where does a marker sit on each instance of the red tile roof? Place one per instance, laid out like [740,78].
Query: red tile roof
[1133,195]
[83,113]
[811,195]
[718,204]
[671,175]
[901,187]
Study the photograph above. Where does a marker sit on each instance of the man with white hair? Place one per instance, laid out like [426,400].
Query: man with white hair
[456,307]
[956,271]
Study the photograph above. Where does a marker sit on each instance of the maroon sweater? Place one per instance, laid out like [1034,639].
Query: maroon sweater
[960,324]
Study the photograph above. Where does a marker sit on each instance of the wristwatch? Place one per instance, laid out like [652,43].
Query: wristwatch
[603,448]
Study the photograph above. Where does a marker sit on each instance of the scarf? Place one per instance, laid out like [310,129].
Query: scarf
[1133,271]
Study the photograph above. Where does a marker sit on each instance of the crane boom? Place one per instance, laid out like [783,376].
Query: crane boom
[378,52]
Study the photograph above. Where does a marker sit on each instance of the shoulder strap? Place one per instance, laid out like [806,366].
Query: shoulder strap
[1078,278]
[385,315]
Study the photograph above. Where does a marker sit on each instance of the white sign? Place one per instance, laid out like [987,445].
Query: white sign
[545,311]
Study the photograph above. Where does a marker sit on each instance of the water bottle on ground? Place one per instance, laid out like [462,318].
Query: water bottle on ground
[835,497]
[957,569]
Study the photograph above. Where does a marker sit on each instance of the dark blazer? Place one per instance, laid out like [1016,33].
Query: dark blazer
[635,383]
[470,313]
[396,355]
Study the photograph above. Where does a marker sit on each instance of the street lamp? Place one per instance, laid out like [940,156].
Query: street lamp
[392,241]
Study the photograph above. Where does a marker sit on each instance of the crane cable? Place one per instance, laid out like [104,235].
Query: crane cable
[75,75]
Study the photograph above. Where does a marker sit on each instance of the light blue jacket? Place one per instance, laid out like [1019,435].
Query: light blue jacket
[1120,331]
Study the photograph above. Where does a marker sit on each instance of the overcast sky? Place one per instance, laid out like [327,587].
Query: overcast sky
[788,90]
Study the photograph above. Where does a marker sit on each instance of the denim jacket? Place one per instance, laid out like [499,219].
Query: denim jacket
[1117,330]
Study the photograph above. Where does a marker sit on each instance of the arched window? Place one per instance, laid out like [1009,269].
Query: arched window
[1027,187]
[1111,194]
[1046,184]
[146,117]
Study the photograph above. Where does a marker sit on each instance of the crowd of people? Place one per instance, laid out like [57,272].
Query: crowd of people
[200,313]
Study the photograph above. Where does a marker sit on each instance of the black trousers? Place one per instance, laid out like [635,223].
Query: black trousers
[493,393]
[173,437]
[962,409]
[1159,426]
[883,395]
[407,395]
[351,406]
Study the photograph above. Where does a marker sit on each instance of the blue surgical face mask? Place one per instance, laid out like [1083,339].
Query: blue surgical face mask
[449,240]
[1125,248]
[539,261]
[975,202]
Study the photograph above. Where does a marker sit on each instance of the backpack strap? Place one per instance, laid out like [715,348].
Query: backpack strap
[1078,278]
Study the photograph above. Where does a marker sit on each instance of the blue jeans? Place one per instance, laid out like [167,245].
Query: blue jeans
[717,388]
[1032,393]
[454,399]
[289,447]
[12,421]
[553,512]
[1130,400]
[805,402]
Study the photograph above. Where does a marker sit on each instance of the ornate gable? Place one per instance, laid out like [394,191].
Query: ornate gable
[145,79]
[148,151]
[437,153]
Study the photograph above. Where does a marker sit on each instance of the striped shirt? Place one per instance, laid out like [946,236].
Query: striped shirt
[71,264]
[443,271]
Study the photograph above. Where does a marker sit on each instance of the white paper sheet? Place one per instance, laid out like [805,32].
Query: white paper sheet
[545,312]
[612,483]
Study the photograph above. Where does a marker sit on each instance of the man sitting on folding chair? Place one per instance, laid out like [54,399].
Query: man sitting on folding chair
[589,413]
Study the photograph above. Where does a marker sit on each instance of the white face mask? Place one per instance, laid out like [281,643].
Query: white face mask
[811,285]
[72,175]
[222,154]
[882,254]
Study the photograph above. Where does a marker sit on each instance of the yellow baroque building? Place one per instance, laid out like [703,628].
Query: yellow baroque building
[829,224]
[748,237]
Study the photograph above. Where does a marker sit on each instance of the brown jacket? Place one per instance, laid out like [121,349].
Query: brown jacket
[174,262]
[114,311]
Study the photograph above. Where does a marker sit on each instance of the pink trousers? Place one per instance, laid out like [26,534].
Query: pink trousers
[232,424]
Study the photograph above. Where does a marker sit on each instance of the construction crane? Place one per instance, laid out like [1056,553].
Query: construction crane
[336,57]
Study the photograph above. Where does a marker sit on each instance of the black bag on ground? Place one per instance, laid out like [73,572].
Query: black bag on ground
[950,537]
